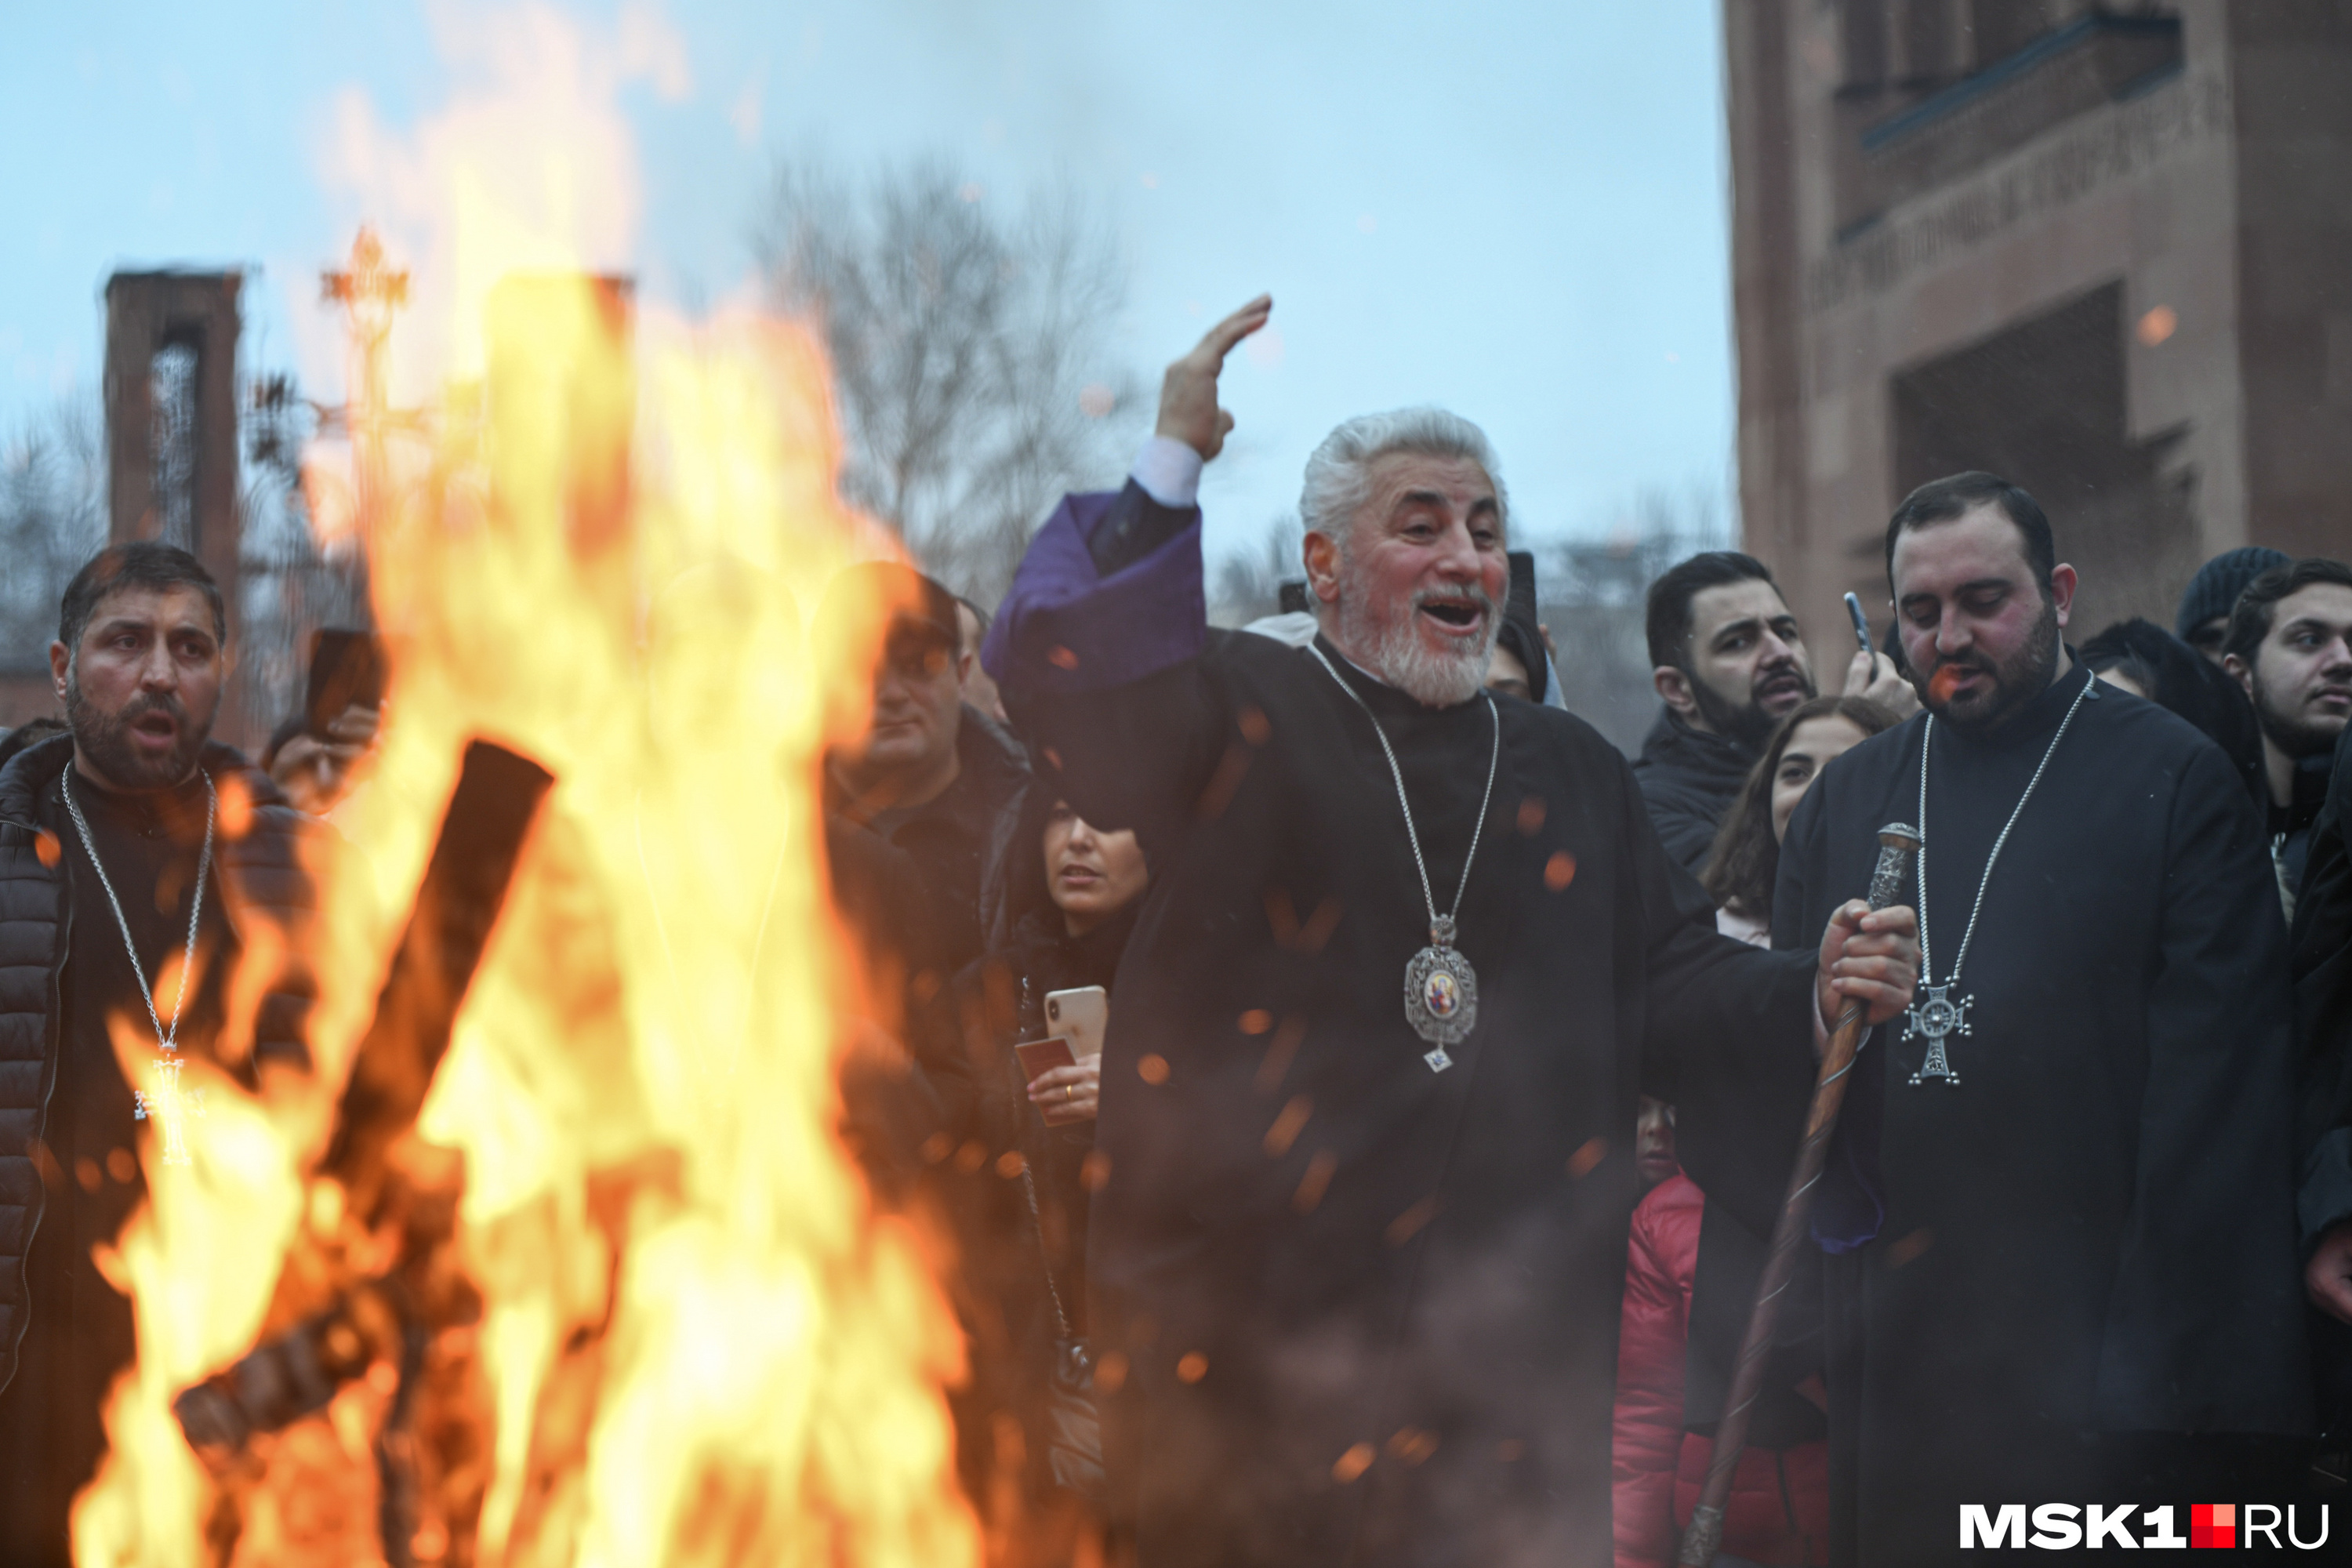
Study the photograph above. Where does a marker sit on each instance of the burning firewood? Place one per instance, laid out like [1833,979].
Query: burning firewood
[387,1319]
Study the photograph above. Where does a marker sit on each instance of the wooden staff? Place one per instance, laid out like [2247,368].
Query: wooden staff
[1897,843]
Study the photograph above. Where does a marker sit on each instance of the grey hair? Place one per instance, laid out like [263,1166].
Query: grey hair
[1340,474]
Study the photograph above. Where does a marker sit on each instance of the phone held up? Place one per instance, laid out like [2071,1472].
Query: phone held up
[1860,622]
[346,670]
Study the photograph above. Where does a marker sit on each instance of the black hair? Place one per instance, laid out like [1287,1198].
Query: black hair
[2256,611]
[979,615]
[1745,858]
[1941,500]
[1668,623]
[142,564]
[2175,676]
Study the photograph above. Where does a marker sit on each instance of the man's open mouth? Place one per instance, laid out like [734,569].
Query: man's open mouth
[1459,614]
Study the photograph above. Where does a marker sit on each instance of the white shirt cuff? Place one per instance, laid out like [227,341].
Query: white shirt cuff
[1169,472]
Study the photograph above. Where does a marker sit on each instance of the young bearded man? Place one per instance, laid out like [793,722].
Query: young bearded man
[138,862]
[1729,661]
[1361,1244]
[2290,647]
[2058,1215]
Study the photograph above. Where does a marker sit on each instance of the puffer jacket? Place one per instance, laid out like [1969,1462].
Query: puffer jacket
[263,882]
[1777,1513]
[1688,779]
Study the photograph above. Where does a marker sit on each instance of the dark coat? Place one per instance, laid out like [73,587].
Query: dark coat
[2322,943]
[1688,779]
[1364,1312]
[262,882]
[960,841]
[2094,1239]
[1002,1287]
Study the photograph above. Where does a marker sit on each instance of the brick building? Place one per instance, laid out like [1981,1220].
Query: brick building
[2105,252]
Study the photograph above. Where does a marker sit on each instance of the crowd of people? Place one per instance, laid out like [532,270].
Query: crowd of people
[1361,1100]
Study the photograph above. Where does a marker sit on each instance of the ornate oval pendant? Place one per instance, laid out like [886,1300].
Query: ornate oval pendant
[1441,1001]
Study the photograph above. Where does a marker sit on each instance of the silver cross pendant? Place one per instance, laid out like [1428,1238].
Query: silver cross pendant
[1934,1020]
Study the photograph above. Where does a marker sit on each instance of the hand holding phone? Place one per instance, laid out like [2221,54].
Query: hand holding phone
[1063,1088]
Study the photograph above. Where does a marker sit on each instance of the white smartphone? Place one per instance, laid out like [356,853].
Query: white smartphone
[1079,1016]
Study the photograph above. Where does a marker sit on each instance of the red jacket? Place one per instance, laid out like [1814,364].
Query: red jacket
[1780,1505]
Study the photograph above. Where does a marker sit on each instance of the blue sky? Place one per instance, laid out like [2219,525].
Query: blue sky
[1516,210]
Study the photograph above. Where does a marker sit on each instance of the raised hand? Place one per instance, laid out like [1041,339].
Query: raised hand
[1870,956]
[1187,394]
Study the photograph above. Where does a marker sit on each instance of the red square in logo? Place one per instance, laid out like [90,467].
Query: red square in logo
[2214,1524]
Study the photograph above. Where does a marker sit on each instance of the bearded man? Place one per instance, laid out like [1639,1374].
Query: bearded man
[1728,661]
[2290,649]
[1408,958]
[137,863]
[2059,1220]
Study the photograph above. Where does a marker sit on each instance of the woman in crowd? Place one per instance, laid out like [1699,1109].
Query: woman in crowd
[1073,903]
[1745,860]
[1777,1513]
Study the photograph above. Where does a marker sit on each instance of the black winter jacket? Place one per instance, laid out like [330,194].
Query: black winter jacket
[1688,779]
[262,881]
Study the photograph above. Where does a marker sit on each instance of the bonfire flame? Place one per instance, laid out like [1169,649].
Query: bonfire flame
[621,1297]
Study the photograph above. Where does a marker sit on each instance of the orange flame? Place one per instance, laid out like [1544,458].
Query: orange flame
[672,1327]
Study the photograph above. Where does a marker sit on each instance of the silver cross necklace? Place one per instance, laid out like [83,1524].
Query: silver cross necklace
[168,1103]
[1441,989]
[1942,1016]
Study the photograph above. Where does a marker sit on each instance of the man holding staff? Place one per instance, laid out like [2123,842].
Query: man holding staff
[1409,957]
[2059,1210]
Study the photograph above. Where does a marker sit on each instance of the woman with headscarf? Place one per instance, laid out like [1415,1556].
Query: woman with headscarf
[1073,895]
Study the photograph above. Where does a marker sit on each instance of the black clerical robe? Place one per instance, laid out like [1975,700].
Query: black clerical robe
[1350,1309]
[2094,1236]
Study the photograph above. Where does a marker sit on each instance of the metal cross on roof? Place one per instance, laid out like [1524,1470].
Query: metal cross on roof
[370,293]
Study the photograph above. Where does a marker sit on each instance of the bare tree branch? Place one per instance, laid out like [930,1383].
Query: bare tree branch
[52,518]
[968,352]
[1249,582]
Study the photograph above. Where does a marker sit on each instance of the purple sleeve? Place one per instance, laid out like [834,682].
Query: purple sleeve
[1063,627]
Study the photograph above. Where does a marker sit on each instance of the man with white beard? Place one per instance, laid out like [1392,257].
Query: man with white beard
[1409,958]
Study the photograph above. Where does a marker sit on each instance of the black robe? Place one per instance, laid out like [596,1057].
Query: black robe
[1357,1311]
[2094,1235]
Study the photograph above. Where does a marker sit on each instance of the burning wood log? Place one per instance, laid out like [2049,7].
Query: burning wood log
[464,886]
[490,814]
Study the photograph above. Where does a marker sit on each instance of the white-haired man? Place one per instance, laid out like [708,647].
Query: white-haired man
[1409,955]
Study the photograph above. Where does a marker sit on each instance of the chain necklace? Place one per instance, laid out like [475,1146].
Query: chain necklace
[168,1104]
[1942,1016]
[1441,989]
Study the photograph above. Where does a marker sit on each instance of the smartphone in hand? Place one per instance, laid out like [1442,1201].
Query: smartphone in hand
[1079,1016]
[1860,622]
